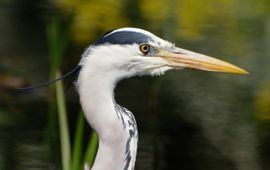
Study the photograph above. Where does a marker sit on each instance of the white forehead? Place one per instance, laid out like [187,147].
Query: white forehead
[155,39]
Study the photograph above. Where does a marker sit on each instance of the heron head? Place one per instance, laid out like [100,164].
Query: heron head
[131,51]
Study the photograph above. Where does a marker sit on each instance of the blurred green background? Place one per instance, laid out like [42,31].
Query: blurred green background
[191,120]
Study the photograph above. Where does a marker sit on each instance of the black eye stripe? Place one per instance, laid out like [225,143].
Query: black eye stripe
[124,37]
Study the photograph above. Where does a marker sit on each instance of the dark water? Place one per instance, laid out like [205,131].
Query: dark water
[187,119]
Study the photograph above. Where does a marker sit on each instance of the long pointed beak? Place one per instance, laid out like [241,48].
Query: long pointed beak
[180,58]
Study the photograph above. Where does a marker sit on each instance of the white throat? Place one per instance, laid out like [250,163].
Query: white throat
[115,126]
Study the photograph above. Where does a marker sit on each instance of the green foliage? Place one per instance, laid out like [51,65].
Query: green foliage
[78,143]
[91,149]
[93,16]
[58,36]
[63,125]
[57,42]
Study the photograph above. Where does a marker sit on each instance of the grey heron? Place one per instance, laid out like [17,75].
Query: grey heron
[117,55]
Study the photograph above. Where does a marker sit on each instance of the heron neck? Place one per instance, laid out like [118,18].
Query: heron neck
[117,139]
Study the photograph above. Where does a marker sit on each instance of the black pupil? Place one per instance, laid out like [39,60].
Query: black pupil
[145,48]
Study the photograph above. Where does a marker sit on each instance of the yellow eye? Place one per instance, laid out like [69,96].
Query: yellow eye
[144,48]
